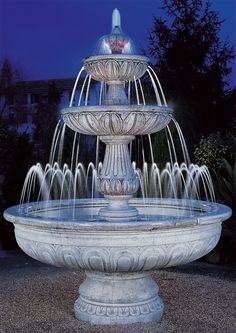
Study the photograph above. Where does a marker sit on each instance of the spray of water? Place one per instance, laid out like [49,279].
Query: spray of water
[178,179]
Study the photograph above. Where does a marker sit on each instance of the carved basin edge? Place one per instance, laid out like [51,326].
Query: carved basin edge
[29,214]
[116,57]
[119,109]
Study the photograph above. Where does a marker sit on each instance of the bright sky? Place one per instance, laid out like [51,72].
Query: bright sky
[49,38]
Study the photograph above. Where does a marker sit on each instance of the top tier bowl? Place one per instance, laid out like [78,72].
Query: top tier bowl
[116,67]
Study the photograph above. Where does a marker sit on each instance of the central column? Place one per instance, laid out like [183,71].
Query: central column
[117,180]
[116,94]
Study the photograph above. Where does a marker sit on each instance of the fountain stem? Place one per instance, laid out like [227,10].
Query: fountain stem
[117,180]
[116,94]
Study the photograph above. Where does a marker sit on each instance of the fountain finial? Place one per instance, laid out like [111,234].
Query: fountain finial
[116,42]
[116,21]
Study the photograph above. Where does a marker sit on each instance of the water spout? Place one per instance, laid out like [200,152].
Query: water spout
[116,20]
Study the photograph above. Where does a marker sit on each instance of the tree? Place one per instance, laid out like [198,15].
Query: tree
[9,76]
[7,148]
[210,151]
[15,175]
[193,64]
[45,120]
[20,161]
[6,86]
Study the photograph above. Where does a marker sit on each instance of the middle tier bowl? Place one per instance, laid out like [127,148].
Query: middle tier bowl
[117,119]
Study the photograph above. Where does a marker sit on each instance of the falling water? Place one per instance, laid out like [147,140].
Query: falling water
[178,179]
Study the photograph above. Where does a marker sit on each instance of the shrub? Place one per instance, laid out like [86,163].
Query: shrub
[210,151]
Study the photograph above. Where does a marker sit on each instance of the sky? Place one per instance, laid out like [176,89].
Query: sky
[47,39]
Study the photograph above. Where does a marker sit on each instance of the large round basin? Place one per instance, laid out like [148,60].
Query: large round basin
[118,257]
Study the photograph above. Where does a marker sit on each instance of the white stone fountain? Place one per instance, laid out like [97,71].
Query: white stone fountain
[127,238]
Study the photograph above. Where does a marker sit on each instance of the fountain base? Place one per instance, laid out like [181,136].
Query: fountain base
[118,209]
[118,298]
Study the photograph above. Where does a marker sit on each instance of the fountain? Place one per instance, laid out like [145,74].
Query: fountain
[119,239]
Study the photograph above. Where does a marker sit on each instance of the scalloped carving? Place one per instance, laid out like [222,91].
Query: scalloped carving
[116,68]
[118,186]
[115,259]
[118,311]
[116,122]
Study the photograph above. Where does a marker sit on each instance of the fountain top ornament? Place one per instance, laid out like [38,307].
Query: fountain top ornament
[116,61]
[116,42]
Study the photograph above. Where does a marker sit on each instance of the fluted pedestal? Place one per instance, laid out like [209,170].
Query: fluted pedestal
[117,180]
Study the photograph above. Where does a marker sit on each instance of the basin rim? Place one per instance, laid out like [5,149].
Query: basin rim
[119,108]
[212,213]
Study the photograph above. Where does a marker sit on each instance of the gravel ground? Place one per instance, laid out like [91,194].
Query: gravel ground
[35,298]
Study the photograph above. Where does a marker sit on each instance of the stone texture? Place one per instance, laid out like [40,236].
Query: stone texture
[127,248]
[117,119]
[34,297]
[117,68]
[117,180]
[111,298]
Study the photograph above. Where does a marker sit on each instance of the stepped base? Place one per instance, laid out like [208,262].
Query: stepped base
[125,298]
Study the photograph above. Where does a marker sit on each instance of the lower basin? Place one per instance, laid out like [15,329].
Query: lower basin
[118,257]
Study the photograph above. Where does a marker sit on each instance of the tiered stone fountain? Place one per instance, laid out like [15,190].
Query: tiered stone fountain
[127,238]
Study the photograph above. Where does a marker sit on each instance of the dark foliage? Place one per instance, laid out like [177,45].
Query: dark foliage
[14,175]
[45,120]
[193,63]
[6,86]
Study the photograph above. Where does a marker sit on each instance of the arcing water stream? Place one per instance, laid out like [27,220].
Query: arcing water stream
[178,179]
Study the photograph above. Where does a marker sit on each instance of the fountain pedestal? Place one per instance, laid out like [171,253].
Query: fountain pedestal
[117,180]
[116,298]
